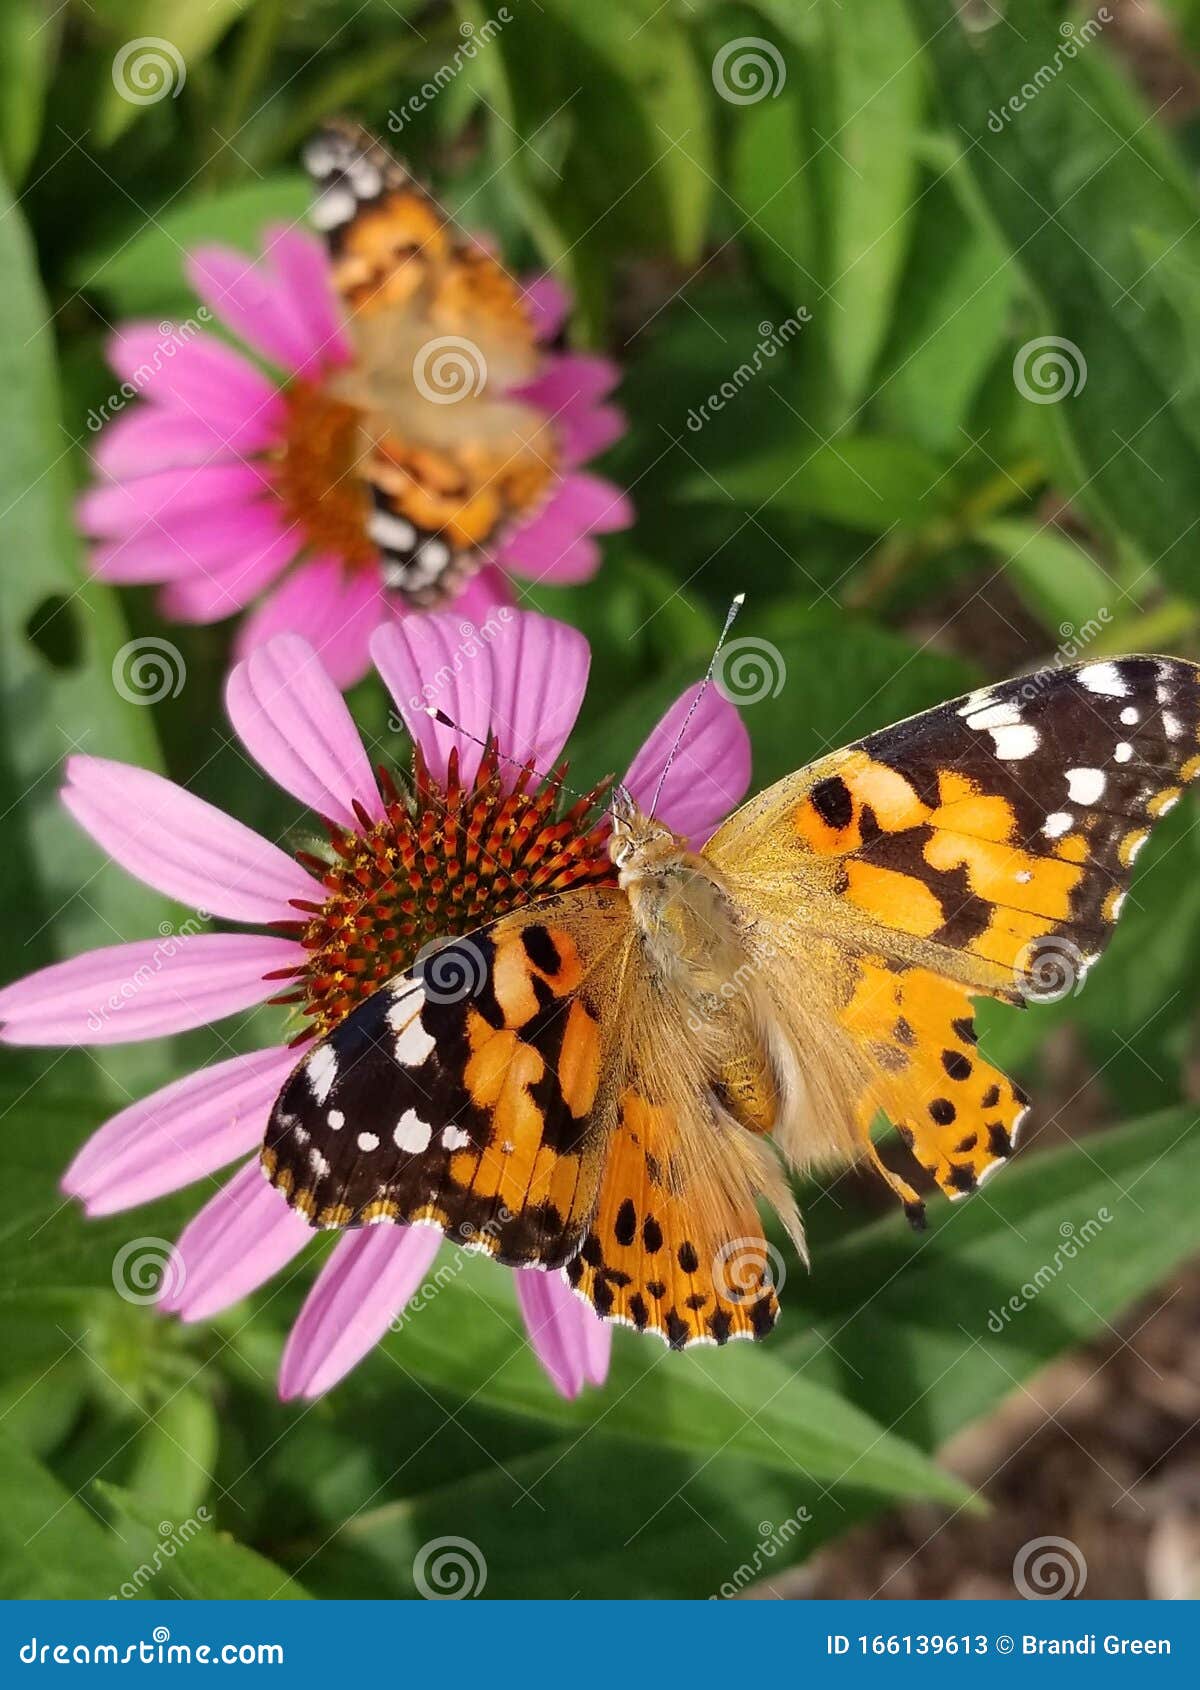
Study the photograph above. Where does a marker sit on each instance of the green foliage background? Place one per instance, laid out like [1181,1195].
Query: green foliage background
[883,492]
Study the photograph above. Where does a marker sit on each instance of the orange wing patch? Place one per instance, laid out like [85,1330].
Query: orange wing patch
[684,1260]
[957,1114]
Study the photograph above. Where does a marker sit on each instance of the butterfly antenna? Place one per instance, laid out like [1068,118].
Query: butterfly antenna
[738,601]
[445,721]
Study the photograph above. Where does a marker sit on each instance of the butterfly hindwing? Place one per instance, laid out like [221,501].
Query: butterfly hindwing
[670,1252]
[469,1094]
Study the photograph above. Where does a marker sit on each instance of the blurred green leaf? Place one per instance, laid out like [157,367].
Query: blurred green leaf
[156,45]
[51,1545]
[1074,180]
[142,274]
[188,1559]
[867,167]
[1058,580]
[28,42]
[174,1454]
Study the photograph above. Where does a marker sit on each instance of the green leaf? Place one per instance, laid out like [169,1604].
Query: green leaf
[174,1454]
[950,321]
[156,45]
[867,167]
[1073,595]
[64,658]
[189,1558]
[143,275]
[28,40]
[1076,181]
[927,1335]
[51,1545]
[865,482]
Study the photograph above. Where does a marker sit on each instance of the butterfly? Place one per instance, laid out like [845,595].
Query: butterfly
[606,1081]
[442,337]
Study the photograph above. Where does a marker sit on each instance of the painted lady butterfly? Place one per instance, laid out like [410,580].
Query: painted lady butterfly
[442,338]
[594,1083]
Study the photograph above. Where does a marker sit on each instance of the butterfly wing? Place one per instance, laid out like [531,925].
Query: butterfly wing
[442,336]
[473,1094]
[984,846]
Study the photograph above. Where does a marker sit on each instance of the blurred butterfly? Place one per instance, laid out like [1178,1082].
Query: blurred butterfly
[605,1081]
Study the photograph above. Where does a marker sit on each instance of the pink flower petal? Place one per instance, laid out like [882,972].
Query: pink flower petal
[575,381]
[146,438]
[485,592]
[117,508]
[135,991]
[181,1133]
[577,561]
[254,303]
[200,376]
[524,682]
[180,845]
[569,1338]
[547,302]
[582,505]
[365,1283]
[711,770]
[238,1241]
[201,544]
[295,724]
[334,608]
[250,565]
[585,434]
[303,264]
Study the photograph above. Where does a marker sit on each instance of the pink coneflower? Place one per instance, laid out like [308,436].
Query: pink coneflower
[246,485]
[395,875]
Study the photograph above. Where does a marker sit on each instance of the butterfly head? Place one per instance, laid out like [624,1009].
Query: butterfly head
[640,846]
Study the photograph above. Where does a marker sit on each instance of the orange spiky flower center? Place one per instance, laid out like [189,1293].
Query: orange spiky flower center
[316,477]
[439,863]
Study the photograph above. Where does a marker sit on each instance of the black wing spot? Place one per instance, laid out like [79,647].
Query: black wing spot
[832,801]
[942,1111]
[689,1261]
[625,1225]
[541,949]
[956,1065]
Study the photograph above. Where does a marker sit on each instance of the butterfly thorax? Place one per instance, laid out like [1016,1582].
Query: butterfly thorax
[695,954]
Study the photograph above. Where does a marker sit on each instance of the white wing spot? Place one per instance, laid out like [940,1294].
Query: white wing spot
[1123,752]
[317,1163]
[411,1133]
[336,1120]
[1015,741]
[1172,726]
[335,205]
[1085,786]
[321,1071]
[454,1138]
[368,1141]
[1059,823]
[1105,679]
[995,716]
[1130,716]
